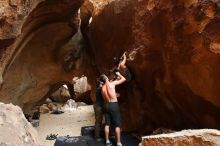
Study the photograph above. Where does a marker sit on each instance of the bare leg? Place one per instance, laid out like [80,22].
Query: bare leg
[118,134]
[107,132]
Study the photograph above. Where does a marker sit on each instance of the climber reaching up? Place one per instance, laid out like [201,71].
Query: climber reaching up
[122,67]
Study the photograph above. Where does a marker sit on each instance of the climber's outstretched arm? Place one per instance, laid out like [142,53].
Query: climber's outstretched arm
[123,61]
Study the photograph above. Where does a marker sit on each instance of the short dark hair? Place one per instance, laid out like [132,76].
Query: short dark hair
[116,60]
[103,78]
[97,82]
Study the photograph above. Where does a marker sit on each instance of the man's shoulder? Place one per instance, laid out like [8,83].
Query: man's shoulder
[112,84]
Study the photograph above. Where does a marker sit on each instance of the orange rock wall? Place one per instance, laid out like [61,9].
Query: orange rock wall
[174,51]
[39,57]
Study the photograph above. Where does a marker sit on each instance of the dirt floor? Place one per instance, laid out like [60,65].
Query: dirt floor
[68,123]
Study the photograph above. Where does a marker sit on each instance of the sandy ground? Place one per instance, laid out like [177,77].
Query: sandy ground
[68,123]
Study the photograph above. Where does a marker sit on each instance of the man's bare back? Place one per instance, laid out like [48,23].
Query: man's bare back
[108,89]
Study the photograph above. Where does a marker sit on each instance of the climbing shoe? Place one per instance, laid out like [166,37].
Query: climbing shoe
[108,144]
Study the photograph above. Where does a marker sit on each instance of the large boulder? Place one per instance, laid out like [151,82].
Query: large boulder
[203,137]
[173,51]
[81,85]
[15,129]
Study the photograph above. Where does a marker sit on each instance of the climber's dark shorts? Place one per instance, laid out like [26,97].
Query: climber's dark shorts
[112,114]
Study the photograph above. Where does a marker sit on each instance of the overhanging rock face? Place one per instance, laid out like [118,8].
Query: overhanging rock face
[38,56]
[203,137]
[174,59]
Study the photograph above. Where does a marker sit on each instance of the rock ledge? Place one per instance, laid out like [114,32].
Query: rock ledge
[202,137]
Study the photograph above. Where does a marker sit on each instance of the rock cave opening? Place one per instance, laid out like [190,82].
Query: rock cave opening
[56,49]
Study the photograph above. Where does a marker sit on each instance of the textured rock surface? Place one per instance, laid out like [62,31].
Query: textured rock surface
[173,50]
[15,129]
[204,137]
[40,56]
[12,17]
[61,95]
[81,85]
[174,58]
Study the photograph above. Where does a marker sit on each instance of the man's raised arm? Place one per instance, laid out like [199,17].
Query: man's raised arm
[123,62]
[119,81]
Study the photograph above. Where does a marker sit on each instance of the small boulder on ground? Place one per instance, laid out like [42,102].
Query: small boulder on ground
[51,106]
[81,104]
[44,109]
[48,100]
[61,95]
[70,104]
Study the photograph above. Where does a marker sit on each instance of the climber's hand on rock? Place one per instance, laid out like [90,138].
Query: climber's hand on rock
[117,73]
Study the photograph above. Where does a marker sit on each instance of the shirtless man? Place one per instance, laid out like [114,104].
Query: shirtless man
[111,104]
